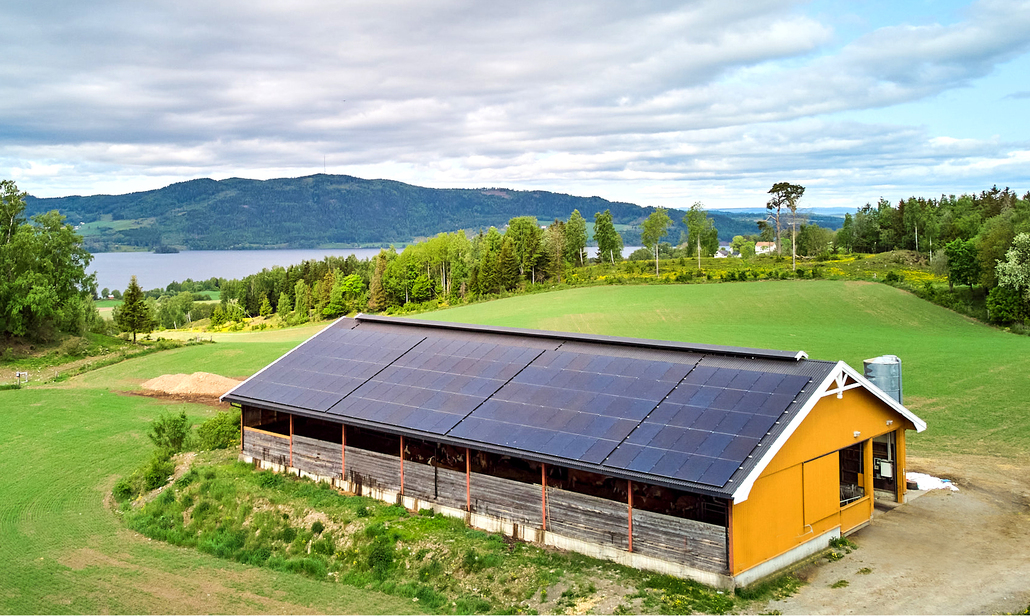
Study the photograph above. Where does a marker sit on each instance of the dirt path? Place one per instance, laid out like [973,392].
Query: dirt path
[965,552]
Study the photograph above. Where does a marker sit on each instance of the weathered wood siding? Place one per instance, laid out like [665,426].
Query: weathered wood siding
[579,516]
[439,485]
[274,449]
[376,470]
[316,456]
[503,498]
[689,542]
[593,519]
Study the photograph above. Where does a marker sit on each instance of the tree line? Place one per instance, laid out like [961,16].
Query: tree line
[44,287]
[967,237]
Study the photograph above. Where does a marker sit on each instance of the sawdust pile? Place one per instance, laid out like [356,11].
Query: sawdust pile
[198,384]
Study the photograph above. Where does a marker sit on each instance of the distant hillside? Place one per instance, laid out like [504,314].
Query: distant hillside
[330,211]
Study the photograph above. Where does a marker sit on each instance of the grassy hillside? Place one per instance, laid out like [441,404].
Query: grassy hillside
[967,380]
[64,551]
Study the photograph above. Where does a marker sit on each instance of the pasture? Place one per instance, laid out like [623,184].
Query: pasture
[969,381]
[63,548]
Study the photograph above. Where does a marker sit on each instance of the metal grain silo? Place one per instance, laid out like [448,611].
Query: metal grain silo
[885,372]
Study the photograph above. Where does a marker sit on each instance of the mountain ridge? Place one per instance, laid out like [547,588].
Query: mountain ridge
[331,211]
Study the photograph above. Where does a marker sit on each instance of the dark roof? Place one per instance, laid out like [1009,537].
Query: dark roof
[695,417]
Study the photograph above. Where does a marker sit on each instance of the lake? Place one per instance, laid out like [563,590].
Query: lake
[113,269]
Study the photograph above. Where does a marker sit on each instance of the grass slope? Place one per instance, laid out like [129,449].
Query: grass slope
[64,551]
[967,380]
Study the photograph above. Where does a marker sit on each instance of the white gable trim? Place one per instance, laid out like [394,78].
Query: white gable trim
[834,380]
[255,375]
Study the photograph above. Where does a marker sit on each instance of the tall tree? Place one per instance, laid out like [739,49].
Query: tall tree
[609,242]
[44,286]
[508,265]
[701,232]
[576,237]
[554,241]
[844,240]
[376,292]
[786,194]
[525,235]
[134,313]
[302,301]
[653,230]
[963,267]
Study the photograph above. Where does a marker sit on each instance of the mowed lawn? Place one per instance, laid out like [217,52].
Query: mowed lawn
[970,382]
[64,551]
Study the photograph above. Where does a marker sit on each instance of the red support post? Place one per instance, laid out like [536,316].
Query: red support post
[291,441]
[630,494]
[468,481]
[402,466]
[543,494]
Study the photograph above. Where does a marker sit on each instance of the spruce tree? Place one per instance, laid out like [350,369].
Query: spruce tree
[508,265]
[134,314]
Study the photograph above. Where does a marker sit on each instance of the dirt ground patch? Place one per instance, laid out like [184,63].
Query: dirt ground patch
[944,552]
[196,387]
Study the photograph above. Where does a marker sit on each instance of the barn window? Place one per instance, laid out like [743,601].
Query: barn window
[852,474]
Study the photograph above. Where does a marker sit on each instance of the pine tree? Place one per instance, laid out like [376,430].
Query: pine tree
[508,265]
[134,314]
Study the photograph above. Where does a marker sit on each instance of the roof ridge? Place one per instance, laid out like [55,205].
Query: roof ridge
[668,345]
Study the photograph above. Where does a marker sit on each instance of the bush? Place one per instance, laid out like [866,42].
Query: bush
[171,432]
[220,432]
[1005,305]
[150,476]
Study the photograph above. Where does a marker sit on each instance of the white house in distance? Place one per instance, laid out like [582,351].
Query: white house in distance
[764,248]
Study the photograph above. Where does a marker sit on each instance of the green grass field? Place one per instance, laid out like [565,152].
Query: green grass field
[967,380]
[65,444]
[64,551]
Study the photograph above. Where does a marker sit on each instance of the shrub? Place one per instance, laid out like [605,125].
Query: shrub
[157,472]
[317,527]
[1005,305]
[220,432]
[171,432]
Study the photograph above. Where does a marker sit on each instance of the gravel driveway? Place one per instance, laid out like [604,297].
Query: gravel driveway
[965,552]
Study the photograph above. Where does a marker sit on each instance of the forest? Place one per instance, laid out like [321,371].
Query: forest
[975,240]
[323,211]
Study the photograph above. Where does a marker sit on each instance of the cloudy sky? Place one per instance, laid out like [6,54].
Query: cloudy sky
[657,103]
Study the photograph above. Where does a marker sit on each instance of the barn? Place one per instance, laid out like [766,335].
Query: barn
[714,463]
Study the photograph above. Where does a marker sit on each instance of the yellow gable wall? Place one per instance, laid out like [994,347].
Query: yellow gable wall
[775,518]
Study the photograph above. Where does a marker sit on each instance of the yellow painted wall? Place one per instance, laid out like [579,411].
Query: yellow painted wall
[793,499]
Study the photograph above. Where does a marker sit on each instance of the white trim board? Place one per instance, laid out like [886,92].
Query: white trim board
[832,379]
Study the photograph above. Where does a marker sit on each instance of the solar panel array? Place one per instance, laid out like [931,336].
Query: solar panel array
[705,429]
[572,405]
[620,409]
[319,373]
[436,384]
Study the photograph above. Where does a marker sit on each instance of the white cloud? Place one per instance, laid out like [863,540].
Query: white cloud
[657,100]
